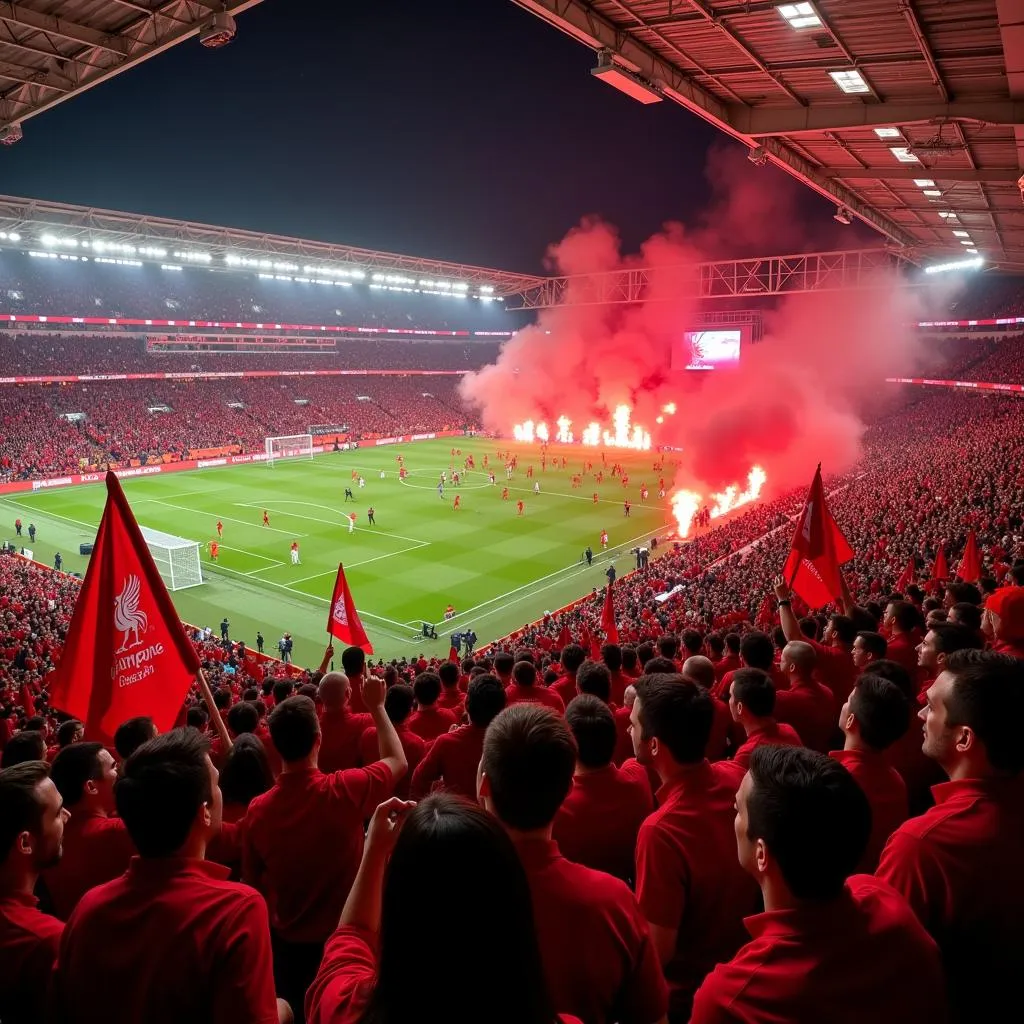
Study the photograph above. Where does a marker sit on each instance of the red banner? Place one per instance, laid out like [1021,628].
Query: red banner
[208,374]
[974,385]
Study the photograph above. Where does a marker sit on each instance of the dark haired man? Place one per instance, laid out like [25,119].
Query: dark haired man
[524,688]
[32,819]
[452,698]
[399,702]
[598,821]
[689,886]
[751,703]
[171,939]
[27,745]
[353,664]
[131,734]
[597,952]
[825,948]
[942,640]
[571,658]
[958,864]
[429,721]
[903,621]
[453,758]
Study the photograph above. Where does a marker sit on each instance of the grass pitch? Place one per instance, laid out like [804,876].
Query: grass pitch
[498,569]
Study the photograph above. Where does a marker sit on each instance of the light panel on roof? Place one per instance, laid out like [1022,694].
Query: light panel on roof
[924,183]
[960,234]
[887,133]
[903,154]
[801,15]
[933,192]
[851,82]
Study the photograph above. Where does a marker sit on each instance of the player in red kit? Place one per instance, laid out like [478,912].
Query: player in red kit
[458,502]
[604,538]
[214,550]
[519,507]
[595,497]
[266,518]
[625,508]
[220,528]
[504,494]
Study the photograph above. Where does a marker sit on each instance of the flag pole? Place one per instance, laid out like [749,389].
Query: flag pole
[222,729]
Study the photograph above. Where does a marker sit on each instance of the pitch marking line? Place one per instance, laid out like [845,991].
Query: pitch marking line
[213,515]
[329,522]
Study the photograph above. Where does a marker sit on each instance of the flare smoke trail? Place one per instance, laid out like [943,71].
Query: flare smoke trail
[797,398]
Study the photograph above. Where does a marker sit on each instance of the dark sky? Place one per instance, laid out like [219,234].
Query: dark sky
[461,129]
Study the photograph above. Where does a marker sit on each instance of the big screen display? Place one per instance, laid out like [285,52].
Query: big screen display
[711,350]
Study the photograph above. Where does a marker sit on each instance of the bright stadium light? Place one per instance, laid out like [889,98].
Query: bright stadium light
[924,183]
[903,154]
[801,15]
[624,80]
[851,82]
[887,133]
[974,263]
[960,234]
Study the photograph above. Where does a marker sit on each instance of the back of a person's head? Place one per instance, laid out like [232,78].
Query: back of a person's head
[667,646]
[490,932]
[881,709]
[427,688]
[755,690]
[246,772]
[1017,573]
[811,815]
[628,659]
[951,637]
[448,672]
[243,717]
[677,713]
[294,728]
[968,593]
[593,727]
[36,723]
[699,670]
[398,702]
[660,665]
[68,731]
[332,690]
[895,673]
[222,698]
[611,655]
[524,654]
[692,642]
[73,767]
[844,629]
[967,614]
[905,616]
[757,651]
[524,673]
[503,663]
[529,757]
[594,677]
[572,657]
[283,689]
[197,718]
[986,685]
[161,788]
[864,620]
[27,745]
[716,644]
[733,643]
[130,735]
[353,661]
[485,698]
[21,809]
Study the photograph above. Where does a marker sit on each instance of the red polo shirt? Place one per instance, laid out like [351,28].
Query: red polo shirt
[887,796]
[430,722]
[779,733]
[959,867]
[837,670]
[454,700]
[902,649]
[861,957]
[339,739]
[303,841]
[28,948]
[344,983]
[810,709]
[535,694]
[412,745]
[96,850]
[171,940]
[565,687]
[598,821]
[453,759]
[597,952]
[623,741]
[689,878]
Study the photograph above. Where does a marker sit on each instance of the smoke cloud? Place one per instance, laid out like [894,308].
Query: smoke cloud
[797,398]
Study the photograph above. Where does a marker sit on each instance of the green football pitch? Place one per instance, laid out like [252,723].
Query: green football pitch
[498,569]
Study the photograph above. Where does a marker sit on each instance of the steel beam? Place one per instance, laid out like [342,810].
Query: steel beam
[16,14]
[983,174]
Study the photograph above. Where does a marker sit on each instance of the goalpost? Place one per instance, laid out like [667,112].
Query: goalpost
[297,446]
[175,557]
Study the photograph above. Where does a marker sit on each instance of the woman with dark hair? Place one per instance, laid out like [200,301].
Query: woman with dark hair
[399,907]
[246,774]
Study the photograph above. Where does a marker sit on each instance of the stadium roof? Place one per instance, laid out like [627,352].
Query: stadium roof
[903,113]
[51,50]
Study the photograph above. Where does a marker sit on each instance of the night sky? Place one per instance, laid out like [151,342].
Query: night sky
[460,129]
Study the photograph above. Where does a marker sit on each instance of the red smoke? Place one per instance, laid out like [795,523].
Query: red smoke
[798,396]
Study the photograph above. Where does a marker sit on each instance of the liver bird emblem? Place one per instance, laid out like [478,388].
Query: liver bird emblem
[128,617]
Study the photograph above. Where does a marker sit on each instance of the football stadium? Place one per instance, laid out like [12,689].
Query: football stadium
[531,488]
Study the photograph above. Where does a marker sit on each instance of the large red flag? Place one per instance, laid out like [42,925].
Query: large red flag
[27,701]
[940,568]
[343,620]
[907,576]
[564,638]
[126,652]
[611,631]
[970,565]
[819,549]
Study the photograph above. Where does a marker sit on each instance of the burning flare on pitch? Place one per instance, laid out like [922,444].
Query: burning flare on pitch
[623,434]
[686,504]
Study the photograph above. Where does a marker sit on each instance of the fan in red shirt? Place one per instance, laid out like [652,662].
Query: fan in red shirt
[827,946]
[571,658]
[598,957]
[340,727]
[524,688]
[751,703]
[303,840]
[938,644]
[868,647]
[429,721]
[598,821]
[32,820]
[903,622]
[171,939]
[805,704]
[1003,621]
[97,847]
[958,865]
[398,705]
[452,759]
[877,714]
[376,966]
[452,698]
[690,887]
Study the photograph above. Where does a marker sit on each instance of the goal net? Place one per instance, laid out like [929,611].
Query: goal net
[298,446]
[175,557]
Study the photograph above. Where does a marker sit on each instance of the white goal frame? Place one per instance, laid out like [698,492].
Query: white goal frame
[294,446]
[176,558]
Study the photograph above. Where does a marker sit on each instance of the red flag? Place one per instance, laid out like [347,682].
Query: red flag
[26,701]
[940,569]
[126,652]
[970,565]
[564,638]
[453,655]
[819,549]
[611,631]
[343,620]
[765,614]
[907,577]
